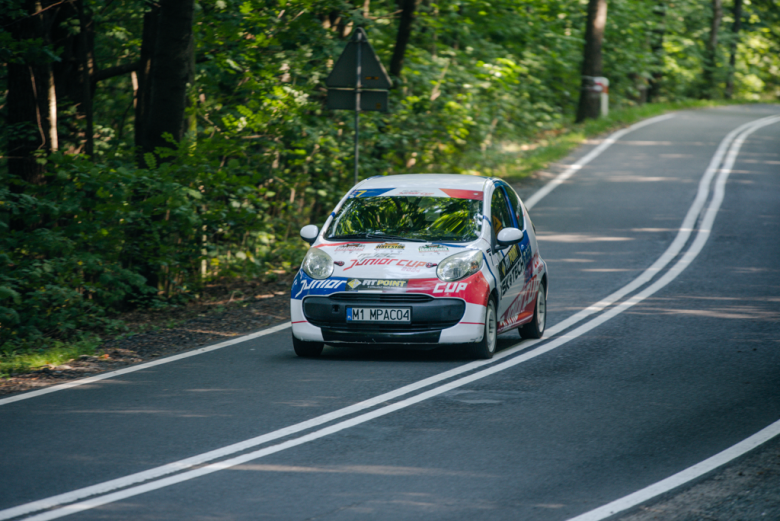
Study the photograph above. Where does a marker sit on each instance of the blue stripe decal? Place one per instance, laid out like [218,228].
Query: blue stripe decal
[495,280]
[451,245]
[368,192]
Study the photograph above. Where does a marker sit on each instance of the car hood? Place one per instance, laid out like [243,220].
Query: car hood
[388,260]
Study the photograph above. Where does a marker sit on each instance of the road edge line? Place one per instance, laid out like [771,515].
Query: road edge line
[590,156]
[145,365]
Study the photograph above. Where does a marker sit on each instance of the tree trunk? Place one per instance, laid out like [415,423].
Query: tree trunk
[170,71]
[74,74]
[737,10]
[590,99]
[657,48]
[711,58]
[86,79]
[143,93]
[31,98]
[402,40]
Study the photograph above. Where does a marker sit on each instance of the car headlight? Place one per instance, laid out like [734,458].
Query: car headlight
[460,265]
[317,264]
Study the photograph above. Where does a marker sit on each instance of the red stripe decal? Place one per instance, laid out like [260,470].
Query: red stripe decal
[463,194]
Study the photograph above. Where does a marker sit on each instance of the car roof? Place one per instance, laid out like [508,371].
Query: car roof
[464,182]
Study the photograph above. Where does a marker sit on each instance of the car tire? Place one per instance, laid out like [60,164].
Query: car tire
[486,348]
[306,349]
[535,328]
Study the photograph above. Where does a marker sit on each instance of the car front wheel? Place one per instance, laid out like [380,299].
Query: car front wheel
[306,349]
[486,348]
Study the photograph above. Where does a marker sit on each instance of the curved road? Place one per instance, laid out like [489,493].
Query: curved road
[546,431]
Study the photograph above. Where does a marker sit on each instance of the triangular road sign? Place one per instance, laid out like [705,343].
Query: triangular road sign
[373,75]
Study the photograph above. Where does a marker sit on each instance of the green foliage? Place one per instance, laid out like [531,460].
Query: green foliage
[487,88]
[98,238]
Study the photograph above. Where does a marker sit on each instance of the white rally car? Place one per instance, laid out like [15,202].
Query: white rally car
[420,260]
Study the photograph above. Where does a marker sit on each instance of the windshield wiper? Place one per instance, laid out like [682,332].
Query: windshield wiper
[393,237]
[354,236]
[374,237]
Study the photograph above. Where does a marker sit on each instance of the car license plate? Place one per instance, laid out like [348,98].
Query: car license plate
[397,315]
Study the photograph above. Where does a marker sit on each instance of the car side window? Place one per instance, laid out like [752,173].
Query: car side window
[499,212]
[517,208]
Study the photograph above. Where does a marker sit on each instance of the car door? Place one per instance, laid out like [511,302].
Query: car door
[507,261]
[528,251]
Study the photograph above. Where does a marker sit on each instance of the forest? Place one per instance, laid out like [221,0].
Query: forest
[150,147]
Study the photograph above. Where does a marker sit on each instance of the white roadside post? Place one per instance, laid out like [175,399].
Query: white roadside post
[601,84]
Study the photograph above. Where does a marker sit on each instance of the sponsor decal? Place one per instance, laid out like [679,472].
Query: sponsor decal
[307,285]
[433,248]
[430,264]
[450,287]
[385,261]
[475,292]
[517,310]
[338,263]
[350,247]
[512,266]
[417,193]
[358,284]
[509,260]
[391,246]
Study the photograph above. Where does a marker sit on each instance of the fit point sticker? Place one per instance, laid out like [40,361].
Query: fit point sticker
[356,284]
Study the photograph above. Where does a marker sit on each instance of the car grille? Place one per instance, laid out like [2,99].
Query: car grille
[380,298]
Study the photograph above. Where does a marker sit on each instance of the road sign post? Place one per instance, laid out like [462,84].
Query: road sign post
[358,82]
[359,69]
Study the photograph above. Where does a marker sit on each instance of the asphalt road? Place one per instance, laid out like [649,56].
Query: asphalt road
[687,372]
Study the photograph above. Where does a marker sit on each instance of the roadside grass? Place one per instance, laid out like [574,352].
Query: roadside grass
[515,161]
[23,359]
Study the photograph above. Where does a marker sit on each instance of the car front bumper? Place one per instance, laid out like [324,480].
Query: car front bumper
[433,320]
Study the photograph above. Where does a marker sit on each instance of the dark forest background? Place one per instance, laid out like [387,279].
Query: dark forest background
[150,147]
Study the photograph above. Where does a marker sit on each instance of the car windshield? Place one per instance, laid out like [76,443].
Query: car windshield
[408,218]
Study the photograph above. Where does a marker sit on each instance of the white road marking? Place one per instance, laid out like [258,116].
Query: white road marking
[546,189]
[683,477]
[693,251]
[680,240]
[134,368]
[590,156]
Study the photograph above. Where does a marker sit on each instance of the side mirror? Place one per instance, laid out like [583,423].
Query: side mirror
[509,236]
[309,233]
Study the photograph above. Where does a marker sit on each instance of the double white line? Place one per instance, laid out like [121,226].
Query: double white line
[196,466]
